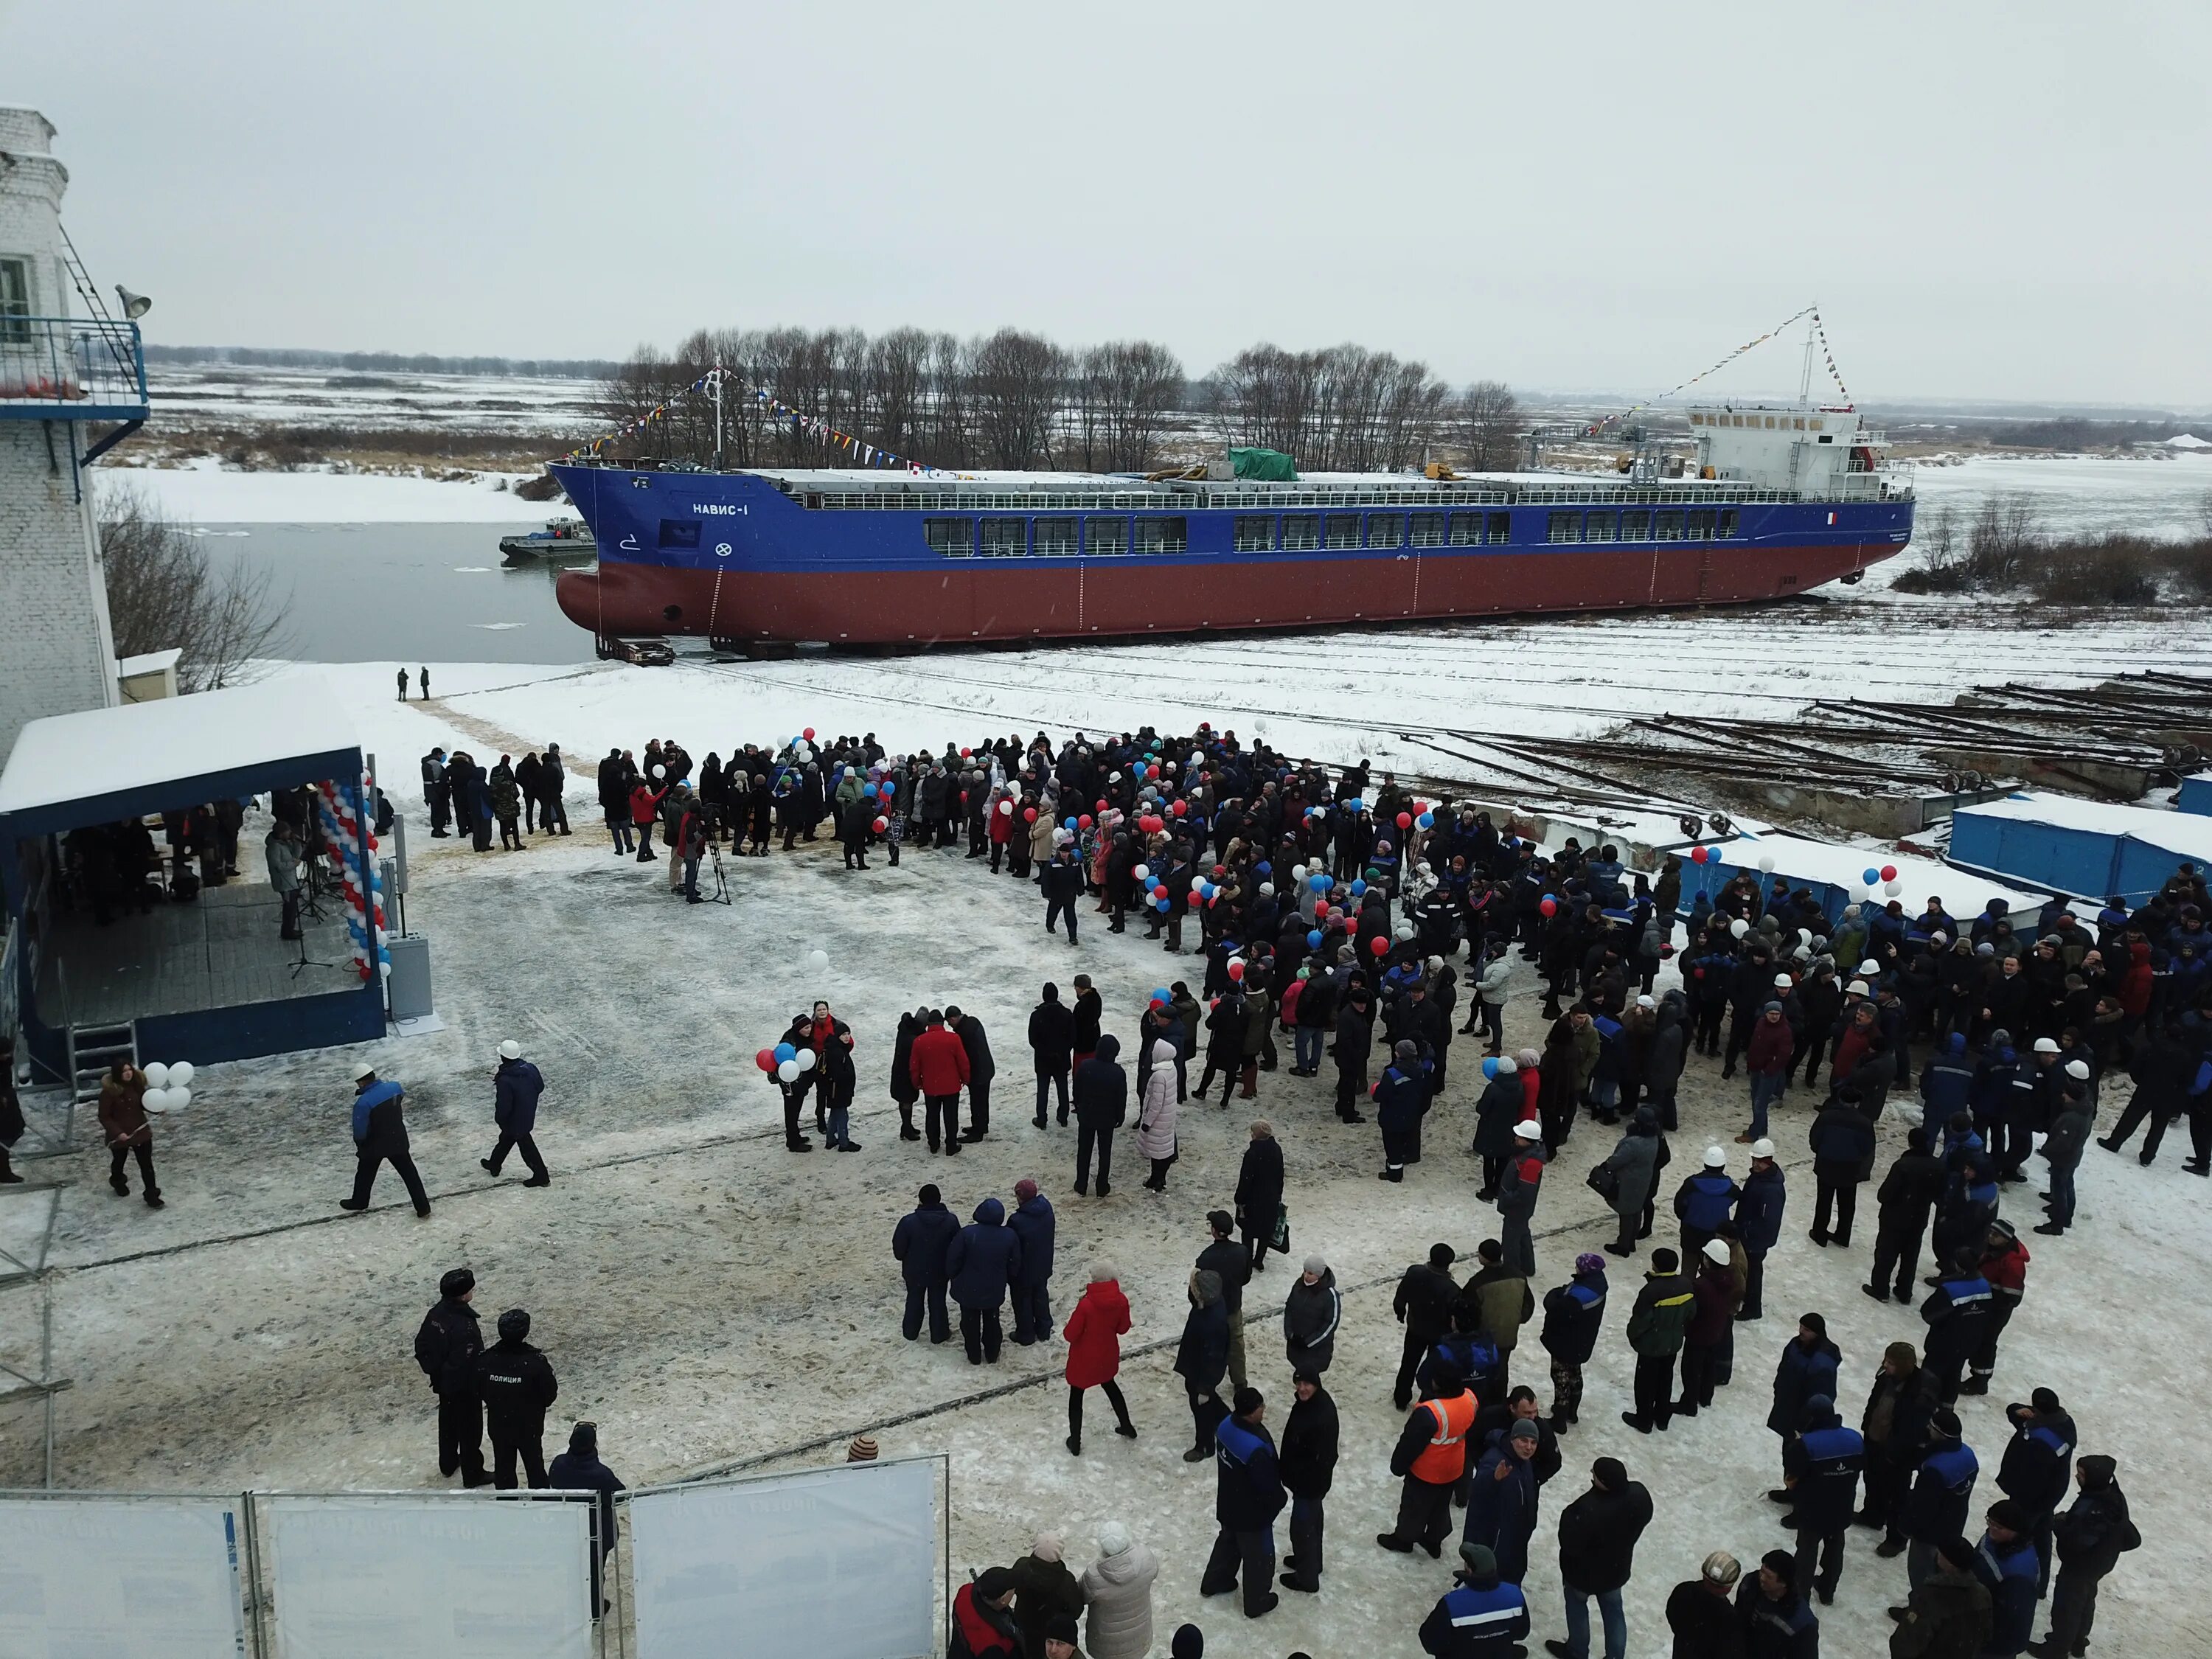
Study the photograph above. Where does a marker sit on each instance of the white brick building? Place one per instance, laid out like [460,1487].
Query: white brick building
[57,653]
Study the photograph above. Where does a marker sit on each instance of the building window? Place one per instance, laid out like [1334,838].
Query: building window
[1254,535]
[1635,526]
[1701,526]
[1385,530]
[1501,529]
[1343,530]
[15,301]
[1162,535]
[1055,538]
[679,532]
[1465,529]
[1427,530]
[952,538]
[1669,527]
[1728,524]
[1005,539]
[1105,538]
[1301,532]
[1565,527]
[1599,527]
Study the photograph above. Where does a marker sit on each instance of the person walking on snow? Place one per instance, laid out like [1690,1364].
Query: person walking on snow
[380,1137]
[1095,1328]
[516,1086]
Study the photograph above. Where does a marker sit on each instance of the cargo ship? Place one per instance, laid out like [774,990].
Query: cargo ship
[1779,500]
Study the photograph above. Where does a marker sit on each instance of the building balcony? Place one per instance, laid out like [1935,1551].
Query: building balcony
[70,368]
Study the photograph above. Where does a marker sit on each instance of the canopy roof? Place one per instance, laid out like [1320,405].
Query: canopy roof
[103,764]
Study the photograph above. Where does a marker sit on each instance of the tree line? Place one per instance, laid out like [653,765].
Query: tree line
[1018,401]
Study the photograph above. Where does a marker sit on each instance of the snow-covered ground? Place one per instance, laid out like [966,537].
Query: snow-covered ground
[233,395]
[205,492]
[708,1297]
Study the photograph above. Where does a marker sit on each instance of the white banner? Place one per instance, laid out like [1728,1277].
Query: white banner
[460,1578]
[120,1577]
[835,1564]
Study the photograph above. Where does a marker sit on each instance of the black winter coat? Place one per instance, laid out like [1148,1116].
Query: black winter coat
[1423,1301]
[1597,1536]
[1259,1186]
[920,1242]
[1100,1088]
[516,1385]
[1052,1036]
[447,1346]
[1307,1458]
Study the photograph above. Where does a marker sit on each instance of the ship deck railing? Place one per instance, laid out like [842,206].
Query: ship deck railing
[70,368]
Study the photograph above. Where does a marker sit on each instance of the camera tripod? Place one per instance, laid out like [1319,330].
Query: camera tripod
[721,893]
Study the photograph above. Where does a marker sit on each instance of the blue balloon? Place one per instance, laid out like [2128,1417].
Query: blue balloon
[869,790]
[1549,899]
[1313,938]
[1160,994]
[1069,824]
[1356,804]
[784,1051]
[1319,883]
[1870,876]
[1264,869]
[1490,1069]
[1427,820]
[1161,905]
[1358,890]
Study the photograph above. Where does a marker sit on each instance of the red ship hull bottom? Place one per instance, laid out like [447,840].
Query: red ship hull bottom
[979,600]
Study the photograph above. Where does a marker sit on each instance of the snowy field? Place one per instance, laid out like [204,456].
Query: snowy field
[205,492]
[231,394]
[707,1297]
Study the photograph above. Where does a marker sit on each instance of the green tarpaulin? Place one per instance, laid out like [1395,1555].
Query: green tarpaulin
[1267,465]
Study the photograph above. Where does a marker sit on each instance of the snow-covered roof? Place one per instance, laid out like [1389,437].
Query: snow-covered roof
[147,662]
[1797,858]
[104,763]
[2186,835]
[2187,440]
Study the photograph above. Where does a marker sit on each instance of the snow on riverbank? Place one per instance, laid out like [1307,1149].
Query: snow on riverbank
[205,492]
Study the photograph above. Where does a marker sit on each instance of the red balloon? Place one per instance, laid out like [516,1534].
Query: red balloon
[964,754]
[1888,871]
[1084,821]
[1102,805]
[1157,1003]
[1029,815]
[1235,971]
[1697,855]
[364,969]
[765,1060]
[1549,906]
[1405,820]
[1380,946]
[1177,809]
[1160,892]
[882,824]
[1151,772]
[808,734]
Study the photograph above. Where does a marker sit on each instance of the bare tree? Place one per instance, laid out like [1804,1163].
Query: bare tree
[1020,389]
[1490,426]
[1124,393]
[164,592]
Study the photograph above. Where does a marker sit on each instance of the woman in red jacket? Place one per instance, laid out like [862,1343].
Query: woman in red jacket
[644,810]
[1094,1332]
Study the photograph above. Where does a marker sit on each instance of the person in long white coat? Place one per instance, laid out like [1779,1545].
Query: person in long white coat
[1117,1588]
[1155,1114]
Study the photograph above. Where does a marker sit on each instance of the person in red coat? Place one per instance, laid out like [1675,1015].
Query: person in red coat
[939,1065]
[1002,827]
[1094,1332]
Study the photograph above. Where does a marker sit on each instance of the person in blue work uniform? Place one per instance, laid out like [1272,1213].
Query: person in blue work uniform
[380,1137]
[1822,1462]
[1480,1617]
[1248,1497]
[1779,1622]
[516,1086]
[2005,1563]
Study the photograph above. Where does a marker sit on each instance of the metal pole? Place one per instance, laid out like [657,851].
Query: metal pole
[46,1364]
[717,420]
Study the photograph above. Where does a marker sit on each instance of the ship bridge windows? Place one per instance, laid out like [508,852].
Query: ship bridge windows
[1426,530]
[1162,535]
[950,539]
[1636,525]
[1253,533]
[1564,527]
[1003,539]
[1301,532]
[1666,527]
[1598,528]
[1386,529]
[1701,525]
[1340,530]
[679,532]
[1104,537]
[1058,538]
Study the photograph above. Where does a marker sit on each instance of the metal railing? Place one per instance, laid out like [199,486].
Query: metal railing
[70,368]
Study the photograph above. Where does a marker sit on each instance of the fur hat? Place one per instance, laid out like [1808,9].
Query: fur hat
[459,1282]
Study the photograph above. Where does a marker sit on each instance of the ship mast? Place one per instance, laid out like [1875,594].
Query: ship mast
[1805,385]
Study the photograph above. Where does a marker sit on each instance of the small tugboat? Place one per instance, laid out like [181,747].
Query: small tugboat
[562,540]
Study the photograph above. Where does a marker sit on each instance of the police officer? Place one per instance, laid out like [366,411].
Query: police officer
[1248,1495]
[1480,1617]
[446,1349]
[516,1386]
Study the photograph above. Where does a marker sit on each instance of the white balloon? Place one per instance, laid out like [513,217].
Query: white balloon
[178,1099]
[1766,863]
[157,1074]
[806,1058]
[817,960]
[1739,927]
[1005,807]
[1861,892]
[1142,873]
[180,1074]
[789,1071]
[155,1101]
[1892,888]
[1298,872]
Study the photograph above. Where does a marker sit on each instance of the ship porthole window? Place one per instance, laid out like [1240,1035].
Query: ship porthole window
[673,612]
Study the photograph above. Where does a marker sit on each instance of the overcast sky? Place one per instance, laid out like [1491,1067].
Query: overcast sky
[1988,201]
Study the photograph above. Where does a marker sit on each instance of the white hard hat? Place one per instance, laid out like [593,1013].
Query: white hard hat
[510,1049]
[1762,1147]
[1715,1157]
[1717,1249]
[1530,1130]
[2045,1045]
[364,1071]
[1783,983]
[2078,1069]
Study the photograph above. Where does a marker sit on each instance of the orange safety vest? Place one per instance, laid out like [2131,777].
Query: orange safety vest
[1444,1459]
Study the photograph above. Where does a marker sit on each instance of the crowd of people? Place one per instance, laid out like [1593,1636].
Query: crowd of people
[1328,911]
